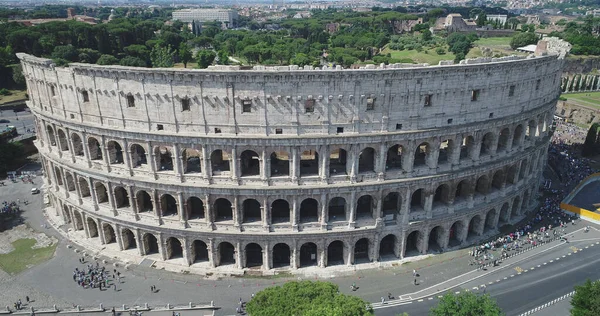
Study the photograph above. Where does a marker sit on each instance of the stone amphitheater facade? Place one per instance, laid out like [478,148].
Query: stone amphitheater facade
[274,168]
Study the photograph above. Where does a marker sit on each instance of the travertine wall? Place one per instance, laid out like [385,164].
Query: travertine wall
[215,165]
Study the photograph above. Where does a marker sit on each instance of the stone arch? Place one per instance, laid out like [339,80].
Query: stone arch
[150,244]
[138,156]
[67,214]
[281,255]
[466,147]
[365,206]
[51,135]
[483,185]
[94,149]
[456,234]
[84,187]
[417,201]
[144,202]
[121,197]
[532,130]
[442,195]
[226,253]
[308,254]
[70,182]
[474,226]
[280,164]
[445,151]
[280,211]
[516,141]
[77,144]
[503,139]
[498,180]
[128,239]
[361,251]
[173,248]
[394,158]
[168,205]
[337,162]
[58,175]
[337,209]
[109,233]
[223,210]
[335,253]
[412,245]
[391,204]
[387,247]
[421,154]
[77,220]
[436,242]
[517,207]
[490,220]
[487,143]
[195,208]
[199,251]
[101,192]
[63,142]
[504,214]
[309,211]
[220,162]
[252,211]
[309,163]
[254,255]
[114,152]
[249,163]
[164,158]
[366,160]
[191,160]
[511,177]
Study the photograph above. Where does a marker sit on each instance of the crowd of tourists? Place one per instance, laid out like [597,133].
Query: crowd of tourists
[10,207]
[96,277]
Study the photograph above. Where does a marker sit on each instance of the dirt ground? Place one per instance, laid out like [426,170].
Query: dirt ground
[24,232]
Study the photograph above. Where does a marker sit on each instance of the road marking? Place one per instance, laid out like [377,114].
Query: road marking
[569,254]
[573,248]
[551,261]
[421,300]
[539,266]
[475,288]
[512,275]
[524,270]
[440,296]
[532,268]
[497,280]
[586,247]
[505,278]
[457,292]
[557,259]
[430,298]
[545,263]
[564,256]
[490,282]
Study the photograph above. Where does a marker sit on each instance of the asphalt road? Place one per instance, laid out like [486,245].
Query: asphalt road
[21,120]
[525,288]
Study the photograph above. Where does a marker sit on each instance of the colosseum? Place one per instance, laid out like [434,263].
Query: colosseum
[281,168]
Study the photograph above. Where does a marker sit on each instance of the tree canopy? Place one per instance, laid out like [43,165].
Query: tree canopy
[523,39]
[466,304]
[306,298]
[586,301]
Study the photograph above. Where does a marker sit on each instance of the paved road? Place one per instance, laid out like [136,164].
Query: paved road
[21,120]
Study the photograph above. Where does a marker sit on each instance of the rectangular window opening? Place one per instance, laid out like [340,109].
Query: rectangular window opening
[537,84]
[340,130]
[475,95]
[185,104]
[511,91]
[217,130]
[309,106]
[428,99]
[449,121]
[278,131]
[371,103]
[85,96]
[492,115]
[160,127]
[72,116]
[398,127]
[130,101]
[53,91]
[246,106]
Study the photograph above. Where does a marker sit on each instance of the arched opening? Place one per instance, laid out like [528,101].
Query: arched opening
[174,249]
[67,214]
[168,205]
[523,170]
[94,149]
[387,247]
[223,210]
[391,205]
[63,143]
[164,158]
[219,161]
[254,256]
[195,208]
[421,154]
[517,136]
[58,175]
[512,175]
[442,196]
[121,197]
[200,251]
[337,209]
[70,182]
[366,160]
[281,255]
[252,211]
[309,163]
[474,226]
[455,234]
[412,244]
[226,253]
[504,215]
[191,159]
[308,254]
[129,239]
[361,251]
[138,156]
[466,147]
[515,208]
[280,164]
[280,211]
[101,192]
[109,234]
[445,152]
[482,186]
[503,140]
[487,143]
[394,158]
[144,202]
[150,244]
[249,163]
[489,221]
[337,162]
[77,144]
[531,131]
[115,153]
[335,253]
[435,242]
[364,207]
[498,180]
[92,228]
[417,201]
[309,211]
[51,136]
[84,188]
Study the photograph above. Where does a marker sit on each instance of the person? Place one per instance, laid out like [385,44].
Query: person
[414,273]
[389,296]
[113,311]
[27,299]
[415,281]
[382,300]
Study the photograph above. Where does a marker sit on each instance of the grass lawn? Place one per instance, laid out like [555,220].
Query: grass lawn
[15,96]
[23,257]
[493,41]
[431,57]
[584,98]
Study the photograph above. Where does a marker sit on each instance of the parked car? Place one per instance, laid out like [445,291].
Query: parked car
[35,191]
[4,121]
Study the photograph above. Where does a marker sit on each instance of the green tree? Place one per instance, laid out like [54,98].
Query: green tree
[185,54]
[205,58]
[223,57]
[132,62]
[107,60]
[88,55]
[306,298]
[426,35]
[586,301]
[162,57]
[466,304]
[523,39]
[66,52]
[301,60]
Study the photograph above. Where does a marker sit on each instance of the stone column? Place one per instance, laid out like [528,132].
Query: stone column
[431,159]
[322,259]
[352,209]
[105,157]
[324,163]
[264,165]
[379,209]
[429,205]
[206,169]
[178,162]
[134,202]
[380,166]
[187,255]
[475,151]
[354,163]
[408,158]
[237,212]
[103,236]
[324,214]
[405,210]
[400,245]
[295,213]
[182,209]
[211,253]
[235,165]
[119,237]
[151,160]
[239,255]
[266,214]
[84,223]
[111,198]
[127,157]
[139,242]
[294,260]
[157,207]
[349,253]
[267,264]
[294,165]
[374,248]
[77,189]
[210,217]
